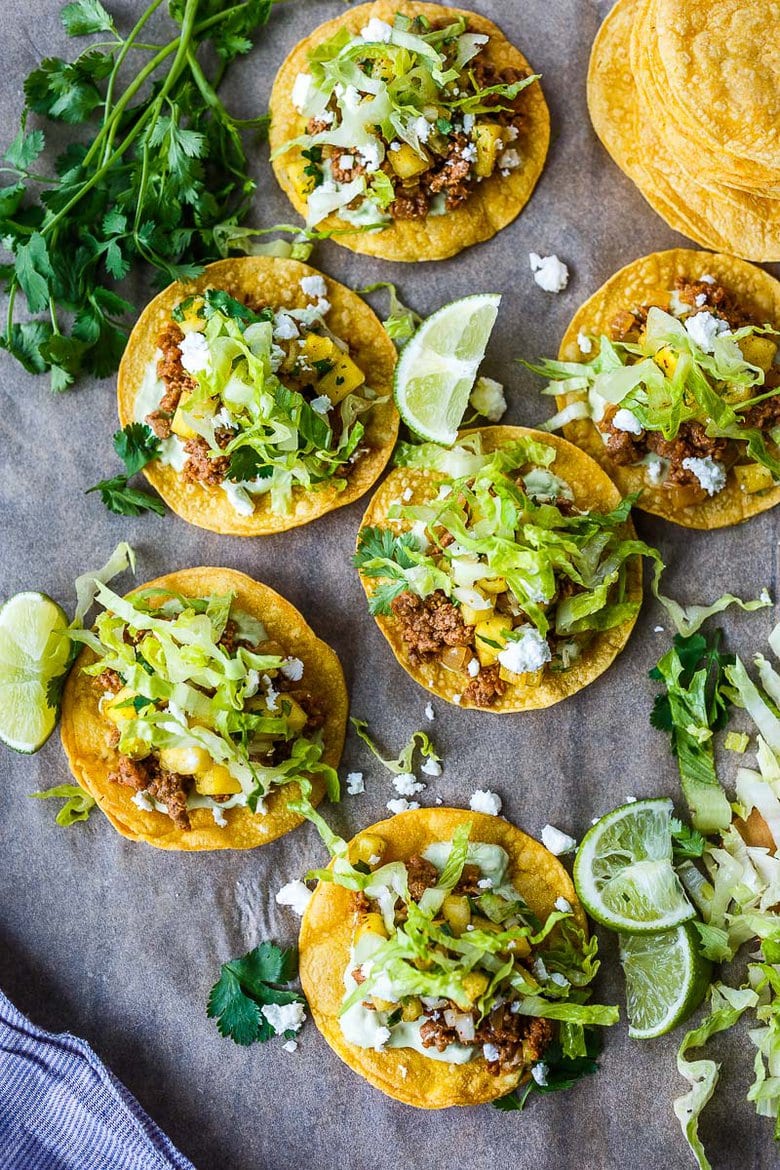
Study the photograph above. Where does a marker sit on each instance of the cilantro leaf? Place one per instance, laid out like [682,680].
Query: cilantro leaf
[246,463]
[136,445]
[380,553]
[85,16]
[686,842]
[33,270]
[561,1072]
[78,803]
[25,148]
[124,500]
[245,985]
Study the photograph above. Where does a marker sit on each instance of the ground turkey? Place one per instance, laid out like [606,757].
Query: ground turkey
[149,776]
[422,875]
[175,378]
[200,467]
[488,686]
[519,1039]
[430,625]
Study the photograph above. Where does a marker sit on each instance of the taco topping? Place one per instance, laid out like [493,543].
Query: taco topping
[498,576]
[688,387]
[404,120]
[448,959]
[254,400]
[202,709]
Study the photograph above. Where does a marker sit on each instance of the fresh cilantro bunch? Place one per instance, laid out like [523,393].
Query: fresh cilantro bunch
[156,172]
[245,985]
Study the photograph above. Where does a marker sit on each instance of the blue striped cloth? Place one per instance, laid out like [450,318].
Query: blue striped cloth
[61,1108]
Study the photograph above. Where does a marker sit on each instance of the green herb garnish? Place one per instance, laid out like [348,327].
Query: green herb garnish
[245,985]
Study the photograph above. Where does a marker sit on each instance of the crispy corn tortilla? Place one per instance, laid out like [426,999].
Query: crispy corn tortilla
[86,739]
[498,199]
[326,936]
[275,282]
[717,216]
[643,282]
[592,489]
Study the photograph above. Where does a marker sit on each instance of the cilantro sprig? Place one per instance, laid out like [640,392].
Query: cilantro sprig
[136,445]
[245,985]
[383,555]
[155,171]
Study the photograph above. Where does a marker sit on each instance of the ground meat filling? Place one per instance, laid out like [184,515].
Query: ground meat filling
[519,1040]
[429,625]
[488,686]
[167,787]
[691,441]
[422,875]
[201,467]
[175,378]
[436,1033]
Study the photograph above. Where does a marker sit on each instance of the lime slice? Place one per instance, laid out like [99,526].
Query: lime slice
[666,979]
[438,366]
[624,873]
[34,649]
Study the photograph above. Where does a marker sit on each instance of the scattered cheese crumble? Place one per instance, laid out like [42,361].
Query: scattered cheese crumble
[296,895]
[401,805]
[710,474]
[485,801]
[355,783]
[284,1017]
[556,841]
[550,273]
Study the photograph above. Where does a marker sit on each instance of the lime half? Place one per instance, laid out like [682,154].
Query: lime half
[34,650]
[666,979]
[624,873]
[438,366]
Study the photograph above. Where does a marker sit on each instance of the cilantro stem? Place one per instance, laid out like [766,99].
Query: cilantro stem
[120,58]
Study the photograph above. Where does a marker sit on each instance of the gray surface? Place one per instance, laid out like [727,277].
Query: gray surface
[120,942]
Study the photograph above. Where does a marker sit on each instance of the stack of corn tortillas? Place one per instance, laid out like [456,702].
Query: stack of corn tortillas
[685,95]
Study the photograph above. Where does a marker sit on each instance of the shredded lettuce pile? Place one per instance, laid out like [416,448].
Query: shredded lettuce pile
[713,388]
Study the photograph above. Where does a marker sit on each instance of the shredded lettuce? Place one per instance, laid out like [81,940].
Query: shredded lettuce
[688,619]
[401,322]
[404,762]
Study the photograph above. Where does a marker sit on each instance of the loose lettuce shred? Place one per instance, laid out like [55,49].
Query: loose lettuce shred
[716,389]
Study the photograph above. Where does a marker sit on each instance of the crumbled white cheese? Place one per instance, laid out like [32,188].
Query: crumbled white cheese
[473,668]
[510,160]
[701,300]
[141,800]
[381,1036]
[421,127]
[487,398]
[705,278]
[469,152]
[406,495]
[292,668]
[439,800]
[559,980]
[195,354]
[468,123]
[285,328]
[290,1046]
[406,784]
[355,783]
[562,905]
[490,1053]
[550,273]
[456,699]
[527,654]
[431,767]
[377,30]
[539,970]
[271,694]
[658,629]
[430,714]
[321,405]
[626,420]
[585,343]
[539,1072]
[703,328]
[556,841]
[296,895]
[395,145]
[485,883]
[301,90]
[630,800]
[322,306]
[710,474]
[374,859]
[284,1017]
[655,467]
[314,286]
[485,801]
[219,817]
[511,133]
[401,805]
[346,162]
[370,155]
[404,1071]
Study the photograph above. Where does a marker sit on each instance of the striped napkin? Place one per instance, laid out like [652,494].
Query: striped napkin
[61,1108]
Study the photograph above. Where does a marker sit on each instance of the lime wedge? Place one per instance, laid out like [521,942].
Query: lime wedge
[666,979]
[438,366]
[34,650]
[624,873]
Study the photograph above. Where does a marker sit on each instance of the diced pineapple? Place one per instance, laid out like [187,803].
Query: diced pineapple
[457,913]
[186,761]
[521,947]
[488,140]
[367,846]
[294,714]
[345,377]
[758,351]
[372,923]
[119,708]
[179,424]
[472,616]
[490,638]
[407,163]
[475,984]
[317,348]
[412,1009]
[383,1005]
[192,321]
[667,359]
[493,585]
[753,477]
[383,68]
[216,781]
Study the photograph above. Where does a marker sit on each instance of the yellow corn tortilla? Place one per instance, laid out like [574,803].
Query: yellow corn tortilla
[496,202]
[593,489]
[326,936]
[646,281]
[274,282]
[718,216]
[87,742]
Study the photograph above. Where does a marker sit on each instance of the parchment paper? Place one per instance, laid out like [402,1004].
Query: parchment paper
[120,942]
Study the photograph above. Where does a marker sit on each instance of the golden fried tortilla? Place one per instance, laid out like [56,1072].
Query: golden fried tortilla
[275,282]
[498,200]
[326,936]
[592,489]
[87,740]
[648,281]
